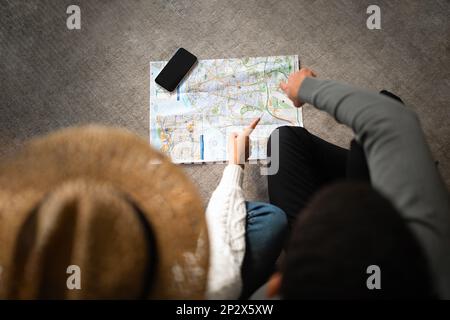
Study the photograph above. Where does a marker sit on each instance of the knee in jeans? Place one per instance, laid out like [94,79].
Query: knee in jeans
[277,219]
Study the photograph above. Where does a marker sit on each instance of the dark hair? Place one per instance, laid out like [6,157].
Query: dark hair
[346,228]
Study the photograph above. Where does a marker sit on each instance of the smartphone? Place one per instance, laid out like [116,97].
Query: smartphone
[176,69]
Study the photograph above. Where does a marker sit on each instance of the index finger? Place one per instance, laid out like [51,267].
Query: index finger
[283,86]
[252,126]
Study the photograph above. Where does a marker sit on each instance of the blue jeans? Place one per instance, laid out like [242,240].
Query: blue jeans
[265,234]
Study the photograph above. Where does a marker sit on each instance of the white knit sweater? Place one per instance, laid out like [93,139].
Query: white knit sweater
[226,219]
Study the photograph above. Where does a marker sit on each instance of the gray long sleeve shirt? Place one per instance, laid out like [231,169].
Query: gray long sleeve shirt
[400,164]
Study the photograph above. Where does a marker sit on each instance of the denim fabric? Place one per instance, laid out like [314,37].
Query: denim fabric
[265,236]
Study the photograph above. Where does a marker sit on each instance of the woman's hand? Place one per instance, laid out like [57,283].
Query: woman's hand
[294,83]
[238,145]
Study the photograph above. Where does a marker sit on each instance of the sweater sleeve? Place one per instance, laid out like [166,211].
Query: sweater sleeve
[226,219]
[400,163]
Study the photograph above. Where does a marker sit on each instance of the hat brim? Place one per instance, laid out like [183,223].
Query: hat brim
[117,157]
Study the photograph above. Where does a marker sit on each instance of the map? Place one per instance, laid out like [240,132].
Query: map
[218,97]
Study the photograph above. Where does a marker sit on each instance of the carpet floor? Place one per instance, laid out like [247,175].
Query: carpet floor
[51,77]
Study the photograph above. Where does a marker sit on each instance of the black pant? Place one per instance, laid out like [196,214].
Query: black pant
[306,164]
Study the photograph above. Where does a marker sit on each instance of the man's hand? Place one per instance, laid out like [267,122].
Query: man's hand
[238,145]
[294,83]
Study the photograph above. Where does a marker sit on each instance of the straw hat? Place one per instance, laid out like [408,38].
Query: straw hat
[102,200]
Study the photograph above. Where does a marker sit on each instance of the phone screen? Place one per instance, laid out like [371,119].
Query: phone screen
[175,70]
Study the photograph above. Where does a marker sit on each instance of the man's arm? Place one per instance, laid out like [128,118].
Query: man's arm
[399,160]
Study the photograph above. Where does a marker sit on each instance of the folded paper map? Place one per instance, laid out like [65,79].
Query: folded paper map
[219,97]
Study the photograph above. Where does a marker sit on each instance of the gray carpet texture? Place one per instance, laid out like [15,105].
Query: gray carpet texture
[52,77]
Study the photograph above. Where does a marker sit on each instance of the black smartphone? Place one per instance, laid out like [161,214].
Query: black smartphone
[176,69]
